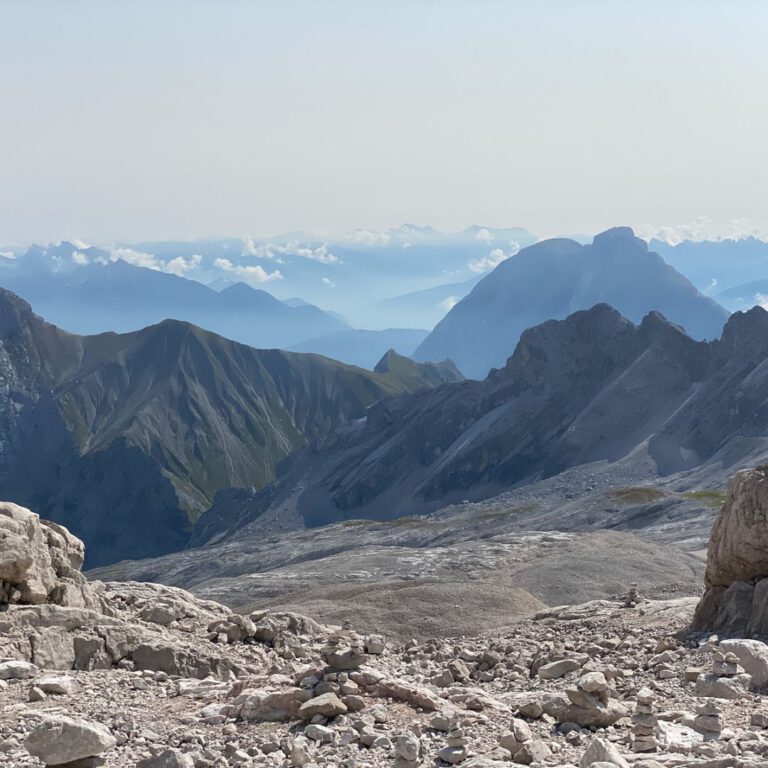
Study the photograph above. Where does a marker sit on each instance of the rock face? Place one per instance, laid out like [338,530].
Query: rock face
[40,561]
[736,597]
[593,387]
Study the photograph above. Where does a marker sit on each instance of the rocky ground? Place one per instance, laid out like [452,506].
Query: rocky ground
[586,534]
[291,692]
[140,675]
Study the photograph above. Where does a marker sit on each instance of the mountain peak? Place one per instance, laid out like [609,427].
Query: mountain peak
[614,234]
[389,358]
[556,277]
[15,313]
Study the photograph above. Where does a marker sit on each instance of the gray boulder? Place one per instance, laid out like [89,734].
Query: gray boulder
[736,598]
[40,561]
[59,739]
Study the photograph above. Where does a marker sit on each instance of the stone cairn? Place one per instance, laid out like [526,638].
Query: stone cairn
[632,597]
[408,751]
[726,665]
[728,680]
[455,750]
[644,723]
[591,704]
[345,650]
[709,719]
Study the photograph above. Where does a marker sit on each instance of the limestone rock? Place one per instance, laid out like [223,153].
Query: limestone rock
[60,739]
[416,696]
[170,758]
[40,561]
[753,657]
[326,704]
[718,687]
[602,751]
[271,706]
[556,669]
[736,599]
[17,670]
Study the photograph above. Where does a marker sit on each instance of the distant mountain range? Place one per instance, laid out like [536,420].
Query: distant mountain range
[592,387]
[716,266]
[105,295]
[351,273]
[554,278]
[126,438]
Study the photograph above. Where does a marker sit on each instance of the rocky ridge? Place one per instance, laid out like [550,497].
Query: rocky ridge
[151,424]
[588,389]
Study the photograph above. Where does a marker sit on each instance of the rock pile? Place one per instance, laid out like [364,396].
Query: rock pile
[590,703]
[408,752]
[644,723]
[727,679]
[456,743]
[709,719]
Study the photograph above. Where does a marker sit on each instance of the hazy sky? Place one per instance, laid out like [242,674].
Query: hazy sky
[157,119]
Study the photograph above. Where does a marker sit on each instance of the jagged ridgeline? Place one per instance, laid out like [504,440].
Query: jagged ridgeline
[125,438]
[593,387]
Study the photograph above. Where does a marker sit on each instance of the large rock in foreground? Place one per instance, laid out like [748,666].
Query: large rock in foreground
[40,561]
[55,619]
[60,739]
[736,597]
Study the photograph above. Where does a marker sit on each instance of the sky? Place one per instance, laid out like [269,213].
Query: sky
[162,119]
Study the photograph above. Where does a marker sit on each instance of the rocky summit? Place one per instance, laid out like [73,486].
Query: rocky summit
[140,675]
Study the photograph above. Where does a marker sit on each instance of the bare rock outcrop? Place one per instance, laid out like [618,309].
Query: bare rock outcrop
[56,619]
[736,597]
[40,561]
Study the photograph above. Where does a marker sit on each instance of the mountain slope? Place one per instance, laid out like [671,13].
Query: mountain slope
[552,279]
[125,438]
[427,307]
[593,387]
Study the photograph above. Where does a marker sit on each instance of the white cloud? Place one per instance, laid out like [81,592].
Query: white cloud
[703,228]
[180,266]
[761,299]
[329,282]
[484,235]
[250,272]
[711,287]
[449,303]
[7,255]
[368,237]
[406,245]
[493,259]
[259,250]
[274,251]
[321,254]
[137,258]
[80,258]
